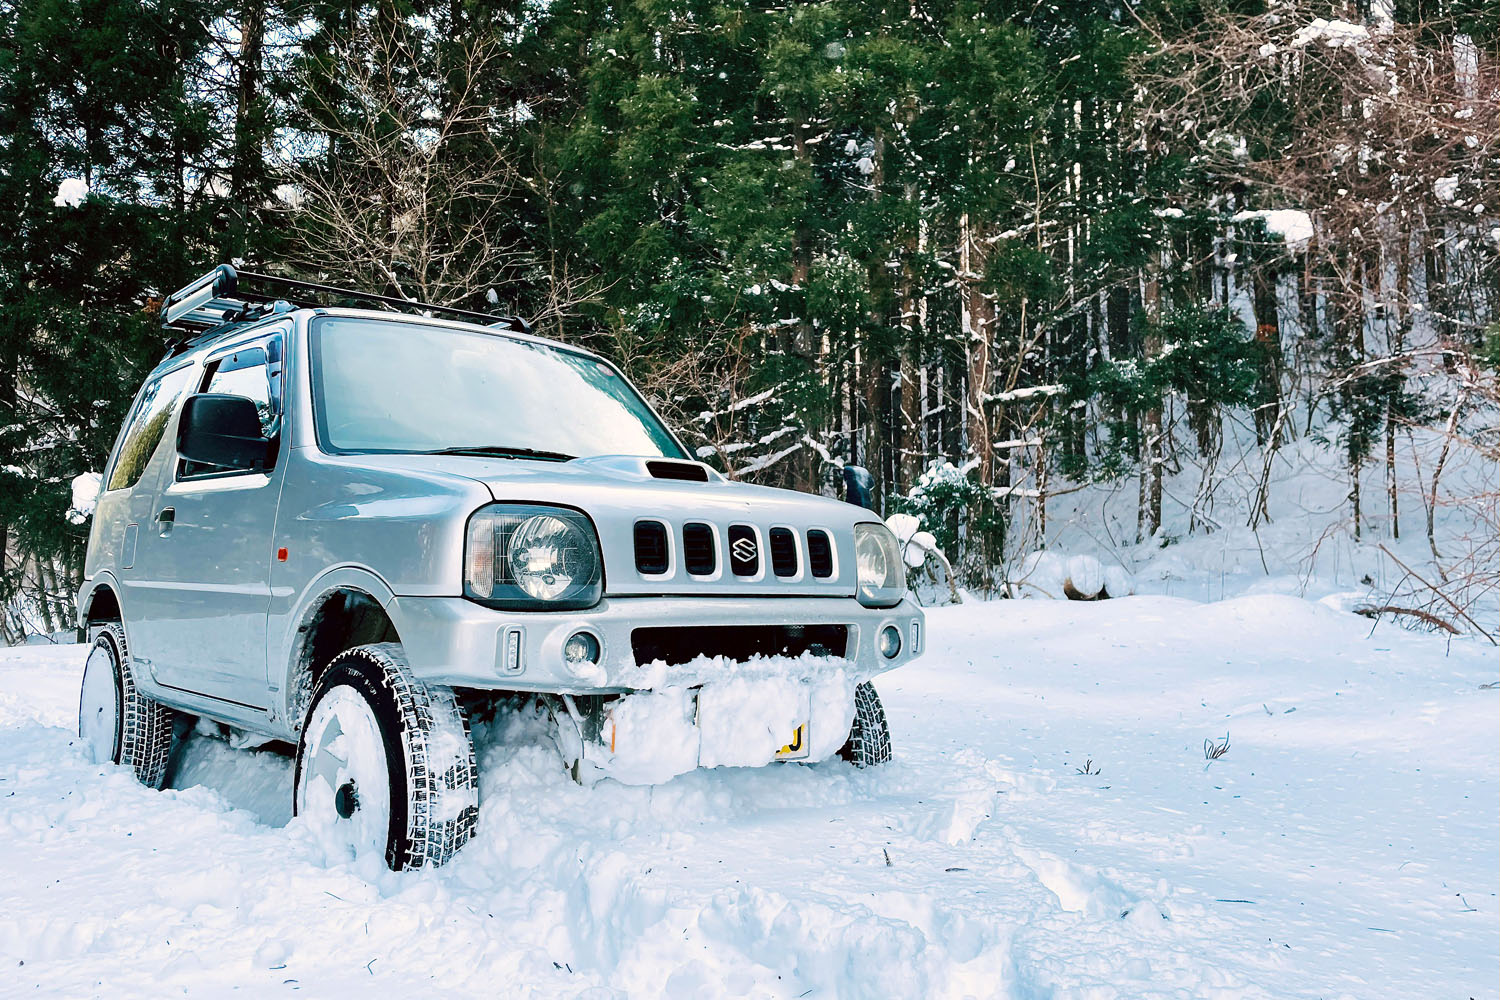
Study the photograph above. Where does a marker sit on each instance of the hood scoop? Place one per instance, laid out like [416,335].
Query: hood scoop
[690,472]
[638,467]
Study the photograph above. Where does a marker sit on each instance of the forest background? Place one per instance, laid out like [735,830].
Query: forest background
[1004,255]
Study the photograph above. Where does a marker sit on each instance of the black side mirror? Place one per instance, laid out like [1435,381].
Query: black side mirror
[859,487]
[221,430]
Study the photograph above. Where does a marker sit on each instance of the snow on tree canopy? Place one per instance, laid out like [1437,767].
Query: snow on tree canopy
[1291,224]
[71,192]
[915,543]
[1335,34]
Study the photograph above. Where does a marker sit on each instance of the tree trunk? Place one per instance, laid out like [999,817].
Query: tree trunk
[1398,347]
[244,163]
[1152,444]
[44,597]
[1268,339]
[977,321]
[908,436]
[1349,334]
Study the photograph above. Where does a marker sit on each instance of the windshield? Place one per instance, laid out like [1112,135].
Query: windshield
[405,387]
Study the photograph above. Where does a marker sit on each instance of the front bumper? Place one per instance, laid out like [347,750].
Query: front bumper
[451,641]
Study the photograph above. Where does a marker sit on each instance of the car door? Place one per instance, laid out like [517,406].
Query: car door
[204,558]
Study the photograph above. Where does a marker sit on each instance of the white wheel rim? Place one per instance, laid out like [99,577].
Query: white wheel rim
[345,785]
[99,706]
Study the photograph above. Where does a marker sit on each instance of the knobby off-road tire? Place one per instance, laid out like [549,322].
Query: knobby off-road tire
[869,737]
[128,729]
[432,782]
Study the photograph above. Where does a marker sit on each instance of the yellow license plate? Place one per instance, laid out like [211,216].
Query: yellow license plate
[797,748]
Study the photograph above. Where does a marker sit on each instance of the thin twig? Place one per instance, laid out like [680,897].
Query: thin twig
[1450,602]
[1370,611]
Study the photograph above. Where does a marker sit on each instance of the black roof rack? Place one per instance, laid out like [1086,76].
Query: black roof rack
[217,298]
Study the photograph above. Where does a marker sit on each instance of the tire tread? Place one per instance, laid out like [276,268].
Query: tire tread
[870,736]
[146,729]
[437,753]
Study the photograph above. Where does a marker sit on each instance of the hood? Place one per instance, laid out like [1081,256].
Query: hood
[616,492]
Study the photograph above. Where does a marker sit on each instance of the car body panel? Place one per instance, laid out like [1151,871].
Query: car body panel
[205,574]
[457,642]
[615,498]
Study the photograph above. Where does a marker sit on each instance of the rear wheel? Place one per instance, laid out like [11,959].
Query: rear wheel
[869,737]
[385,764]
[118,724]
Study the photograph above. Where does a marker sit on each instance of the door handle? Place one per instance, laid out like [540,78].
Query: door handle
[165,519]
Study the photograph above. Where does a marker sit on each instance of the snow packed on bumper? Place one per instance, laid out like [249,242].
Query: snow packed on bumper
[716,712]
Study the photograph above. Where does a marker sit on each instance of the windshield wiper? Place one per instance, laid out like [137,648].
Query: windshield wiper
[502,451]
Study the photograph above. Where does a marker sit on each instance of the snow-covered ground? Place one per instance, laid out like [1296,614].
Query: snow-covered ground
[1344,846]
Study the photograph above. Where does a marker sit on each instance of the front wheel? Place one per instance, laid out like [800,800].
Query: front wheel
[385,764]
[869,737]
[118,724]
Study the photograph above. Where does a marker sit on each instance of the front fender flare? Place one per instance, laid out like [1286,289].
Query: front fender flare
[286,665]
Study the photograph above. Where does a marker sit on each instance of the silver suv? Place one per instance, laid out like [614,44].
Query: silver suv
[343,528]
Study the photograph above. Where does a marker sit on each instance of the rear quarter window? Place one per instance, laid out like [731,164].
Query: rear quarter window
[148,422]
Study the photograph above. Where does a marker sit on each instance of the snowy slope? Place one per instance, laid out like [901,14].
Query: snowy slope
[1307,548]
[1345,846]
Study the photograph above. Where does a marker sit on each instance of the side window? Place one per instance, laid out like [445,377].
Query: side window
[255,373]
[147,424]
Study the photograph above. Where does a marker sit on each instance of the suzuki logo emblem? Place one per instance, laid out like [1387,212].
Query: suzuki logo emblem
[743,549]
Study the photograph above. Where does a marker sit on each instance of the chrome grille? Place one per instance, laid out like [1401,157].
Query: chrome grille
[736,555]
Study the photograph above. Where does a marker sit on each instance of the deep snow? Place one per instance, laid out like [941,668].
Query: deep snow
[1345,846]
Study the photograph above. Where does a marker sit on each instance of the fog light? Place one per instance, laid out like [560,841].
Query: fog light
[581,649]
[890,641]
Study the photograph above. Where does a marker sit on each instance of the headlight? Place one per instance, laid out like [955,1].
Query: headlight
[882,573]
[532,558]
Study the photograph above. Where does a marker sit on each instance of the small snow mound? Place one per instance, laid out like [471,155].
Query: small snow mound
[1118,581]
[1075,578]
[86,487]
[1293,615]
[1085,578]
[1040,574]
[956,819]
[71,192]
[1082,889]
